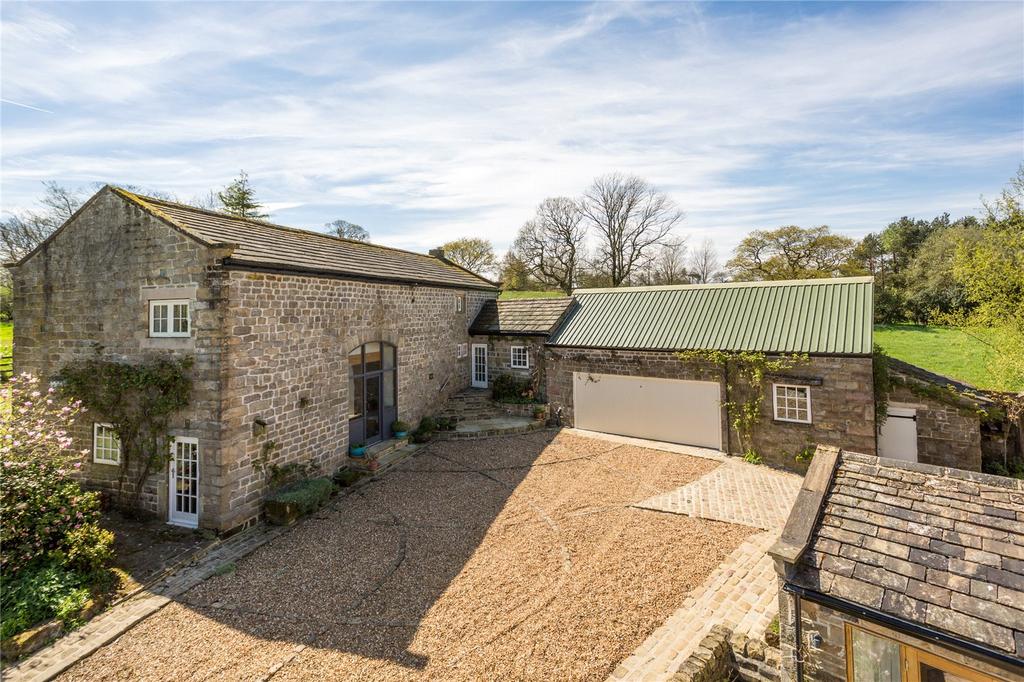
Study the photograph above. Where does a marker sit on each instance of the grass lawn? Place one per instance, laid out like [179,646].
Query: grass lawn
[509,295]
[945,351]
[6,337]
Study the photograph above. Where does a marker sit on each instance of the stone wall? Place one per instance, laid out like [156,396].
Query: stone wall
[289,337]
[842,399]
[87,291]
[499,357]
[947,435]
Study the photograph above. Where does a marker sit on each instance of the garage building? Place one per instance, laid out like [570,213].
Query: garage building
[613,363]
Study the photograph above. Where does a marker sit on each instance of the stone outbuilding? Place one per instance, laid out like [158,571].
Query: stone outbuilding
[891,570]
[508,337]
[302,343]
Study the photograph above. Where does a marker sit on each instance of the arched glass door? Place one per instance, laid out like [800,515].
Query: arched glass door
[372,392]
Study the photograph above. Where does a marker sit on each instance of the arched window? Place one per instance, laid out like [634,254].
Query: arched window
[372,391]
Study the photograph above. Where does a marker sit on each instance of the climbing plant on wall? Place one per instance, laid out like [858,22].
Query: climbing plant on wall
[138,400]
[744,374]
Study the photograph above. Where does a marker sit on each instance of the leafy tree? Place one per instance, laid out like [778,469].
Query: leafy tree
[347,230]
[928,283]
[990,268]
[550,245]
[239,199]
[792,252]
[514,275]
[630,217]
[473,253]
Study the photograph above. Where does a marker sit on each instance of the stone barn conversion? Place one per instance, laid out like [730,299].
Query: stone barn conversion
[300,340]
[303,344]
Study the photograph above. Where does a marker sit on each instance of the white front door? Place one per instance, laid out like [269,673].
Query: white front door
[479,369]
[898,436]
[183,497]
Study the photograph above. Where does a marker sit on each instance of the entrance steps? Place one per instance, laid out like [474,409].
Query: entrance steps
[476,415]
[382,455]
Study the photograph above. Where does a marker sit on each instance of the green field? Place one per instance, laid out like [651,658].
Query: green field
[6,337]
[942,350]
[509,295]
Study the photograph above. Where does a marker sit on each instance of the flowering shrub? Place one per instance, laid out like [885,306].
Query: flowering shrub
[51,547]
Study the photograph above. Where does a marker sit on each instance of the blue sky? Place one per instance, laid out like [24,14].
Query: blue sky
[429,121]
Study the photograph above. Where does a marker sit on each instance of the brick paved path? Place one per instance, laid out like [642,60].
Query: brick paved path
[742,592]
[736,492]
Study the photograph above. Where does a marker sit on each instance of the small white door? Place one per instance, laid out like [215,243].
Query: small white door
[479,365]
[670,410]
[183,497]
[898,437]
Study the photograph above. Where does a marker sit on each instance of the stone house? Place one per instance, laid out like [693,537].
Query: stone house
[508,338]
[891,570]
[301,342]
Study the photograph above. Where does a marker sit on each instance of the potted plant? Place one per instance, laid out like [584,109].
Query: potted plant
[400,428]
[357,449]
[538,412]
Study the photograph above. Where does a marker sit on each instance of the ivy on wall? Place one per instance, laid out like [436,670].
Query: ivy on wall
[138,400]
[744,373]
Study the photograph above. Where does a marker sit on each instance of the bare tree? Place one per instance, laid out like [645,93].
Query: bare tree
[551,244]
[630,217]
[704,264]
[347,230]
[669,263]
[22,232]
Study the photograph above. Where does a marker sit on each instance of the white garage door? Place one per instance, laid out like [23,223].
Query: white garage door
[670,410]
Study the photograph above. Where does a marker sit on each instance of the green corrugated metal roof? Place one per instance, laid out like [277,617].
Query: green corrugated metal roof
[830,316]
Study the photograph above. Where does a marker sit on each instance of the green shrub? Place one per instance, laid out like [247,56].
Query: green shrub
[38,594]
[343,478]
[752,457]
[87,549]
[511,389]
[308,495]
[399,425]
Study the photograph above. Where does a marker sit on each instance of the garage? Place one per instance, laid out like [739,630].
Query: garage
[670,410]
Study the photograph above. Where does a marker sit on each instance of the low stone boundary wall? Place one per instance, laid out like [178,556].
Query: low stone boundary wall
[723,655]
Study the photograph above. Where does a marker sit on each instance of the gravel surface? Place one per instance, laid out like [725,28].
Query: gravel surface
[511,558]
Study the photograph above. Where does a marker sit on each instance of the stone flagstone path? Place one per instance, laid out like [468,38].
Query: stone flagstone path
[742,592]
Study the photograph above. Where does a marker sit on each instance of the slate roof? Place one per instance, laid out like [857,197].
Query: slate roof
[262,244]
[940,547]
[823,316]
[521,317]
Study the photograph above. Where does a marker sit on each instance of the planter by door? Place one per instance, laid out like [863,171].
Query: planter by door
[372,391]
[183,497]
[479,369]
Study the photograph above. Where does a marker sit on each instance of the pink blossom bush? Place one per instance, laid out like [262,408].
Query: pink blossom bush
[45,512]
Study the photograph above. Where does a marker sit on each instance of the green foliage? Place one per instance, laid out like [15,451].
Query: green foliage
[792,252]
[472,253]
[445,423]
[225,569]
[399,426]
[882,383]
[278,476]
[41,593]
[239,199]
[744,374]
[343,478]
[425,431]
[752,457]
[509,295]
[507,388]
[308,495]
[87,548]
[138,400]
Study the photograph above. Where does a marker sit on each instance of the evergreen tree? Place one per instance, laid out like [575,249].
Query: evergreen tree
[239,199]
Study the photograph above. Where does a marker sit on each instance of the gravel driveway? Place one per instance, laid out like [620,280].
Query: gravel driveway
[513,558]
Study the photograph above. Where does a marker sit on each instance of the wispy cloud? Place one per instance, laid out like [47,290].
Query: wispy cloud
[426,122]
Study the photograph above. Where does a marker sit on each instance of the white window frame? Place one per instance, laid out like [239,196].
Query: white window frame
[460,303]
[512,357]
[170,303]
[462,350]
[97,450]
[775,403]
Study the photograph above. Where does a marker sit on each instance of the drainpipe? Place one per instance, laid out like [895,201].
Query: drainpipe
[798,648]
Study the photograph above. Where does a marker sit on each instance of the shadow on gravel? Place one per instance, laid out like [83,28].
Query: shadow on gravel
[360,576]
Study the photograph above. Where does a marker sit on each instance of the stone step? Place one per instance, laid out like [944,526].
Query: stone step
[384,454]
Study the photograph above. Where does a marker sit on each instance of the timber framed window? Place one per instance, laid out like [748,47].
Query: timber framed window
[106,445]
[871,657]
[520,358]
[792,403]
[170,318]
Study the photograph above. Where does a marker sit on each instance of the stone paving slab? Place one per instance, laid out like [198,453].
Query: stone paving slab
[735,492]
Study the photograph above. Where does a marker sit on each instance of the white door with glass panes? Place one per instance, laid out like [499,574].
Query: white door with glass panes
[183,498]
[479,368]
